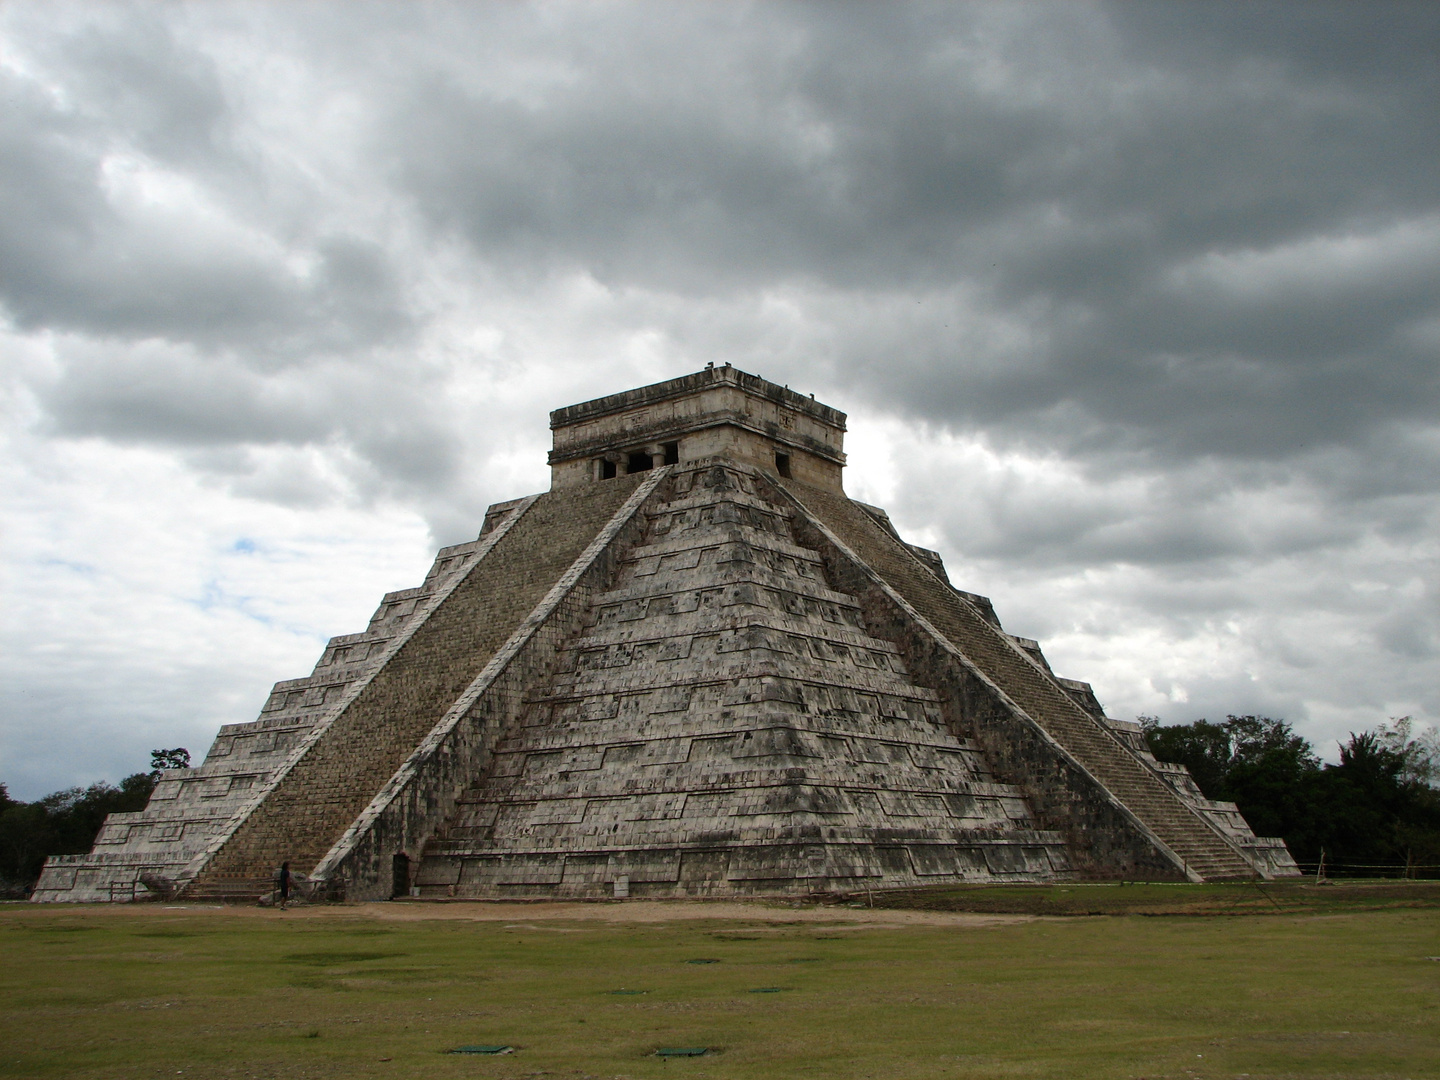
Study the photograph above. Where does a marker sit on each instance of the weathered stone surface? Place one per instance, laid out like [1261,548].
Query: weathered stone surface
[720,412]
[423,794]
[1121,818]
[310,807]
[726,724]
[710,673]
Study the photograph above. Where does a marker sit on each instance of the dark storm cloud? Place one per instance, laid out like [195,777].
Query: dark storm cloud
[402,436]
[192,307]
[1218,230]
[165,99]
[707,148]
[125,206]
[1230,144]
[167,396]
[1222,223]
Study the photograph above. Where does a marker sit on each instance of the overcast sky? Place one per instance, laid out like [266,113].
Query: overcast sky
[1135,310]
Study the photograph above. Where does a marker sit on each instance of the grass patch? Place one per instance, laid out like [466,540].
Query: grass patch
[1156,898]
[1321,992]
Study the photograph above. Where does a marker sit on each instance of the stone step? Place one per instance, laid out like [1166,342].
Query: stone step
[232,890]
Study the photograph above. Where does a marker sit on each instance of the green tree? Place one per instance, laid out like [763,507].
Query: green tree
[1258,763]
[63,823]
[1378,806]
[163,760]
[1202,747]
[25,840]
[1270,776]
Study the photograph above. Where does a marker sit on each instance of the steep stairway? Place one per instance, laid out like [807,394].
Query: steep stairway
[1203,850]
[313,803]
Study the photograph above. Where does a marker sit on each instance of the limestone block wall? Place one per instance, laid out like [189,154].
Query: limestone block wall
[716,413]
[1268,853]
[1104,840]
[336,774]
[703,680]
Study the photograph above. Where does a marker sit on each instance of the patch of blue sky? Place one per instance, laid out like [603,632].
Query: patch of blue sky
[215,596]
[67,564]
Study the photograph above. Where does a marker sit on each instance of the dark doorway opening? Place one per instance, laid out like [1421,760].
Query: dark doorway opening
[639,462]
[672,453]
[607,470]
[400,875]
[782,464]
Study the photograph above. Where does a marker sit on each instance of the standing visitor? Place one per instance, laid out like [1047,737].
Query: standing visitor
[282,883]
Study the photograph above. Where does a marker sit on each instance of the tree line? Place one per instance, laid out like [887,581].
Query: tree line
[67,822]
[1375,812]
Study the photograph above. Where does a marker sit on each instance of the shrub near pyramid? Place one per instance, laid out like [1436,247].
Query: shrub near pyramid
[692,667]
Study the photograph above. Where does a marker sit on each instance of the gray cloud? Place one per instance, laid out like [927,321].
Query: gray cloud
[130,209]
[1227,245]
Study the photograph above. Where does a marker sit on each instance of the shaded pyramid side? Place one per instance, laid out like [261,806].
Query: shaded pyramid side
[1034,709]
[726,724]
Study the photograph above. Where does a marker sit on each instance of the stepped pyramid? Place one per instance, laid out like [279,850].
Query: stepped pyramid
[692,667]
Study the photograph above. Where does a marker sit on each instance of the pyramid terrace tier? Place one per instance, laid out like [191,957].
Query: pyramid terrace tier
[1058,736]
[312,803]
[824,709]
[757,866]
[705,752]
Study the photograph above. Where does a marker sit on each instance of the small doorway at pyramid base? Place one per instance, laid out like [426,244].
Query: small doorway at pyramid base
[399,875]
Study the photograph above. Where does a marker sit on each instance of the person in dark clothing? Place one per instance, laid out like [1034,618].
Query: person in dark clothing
[282,884]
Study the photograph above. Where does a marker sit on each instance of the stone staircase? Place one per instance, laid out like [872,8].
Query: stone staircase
[231,890]
[722,724]
[325,790]
[1200,847]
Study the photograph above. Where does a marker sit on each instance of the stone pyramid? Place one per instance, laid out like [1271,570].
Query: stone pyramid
[693,667]
[725,721]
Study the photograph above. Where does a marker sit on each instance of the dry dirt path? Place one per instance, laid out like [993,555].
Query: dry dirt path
[622,912]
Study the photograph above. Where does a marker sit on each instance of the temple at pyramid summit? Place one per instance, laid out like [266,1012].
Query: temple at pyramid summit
[693,667]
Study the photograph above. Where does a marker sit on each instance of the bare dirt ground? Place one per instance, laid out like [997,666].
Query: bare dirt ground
[617,912]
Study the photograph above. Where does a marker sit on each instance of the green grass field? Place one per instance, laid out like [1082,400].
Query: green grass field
[151,991]
[1153,898]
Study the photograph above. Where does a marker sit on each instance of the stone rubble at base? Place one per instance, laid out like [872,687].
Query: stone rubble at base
[717,677]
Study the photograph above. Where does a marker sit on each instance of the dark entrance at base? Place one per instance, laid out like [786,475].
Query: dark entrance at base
[400,875]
